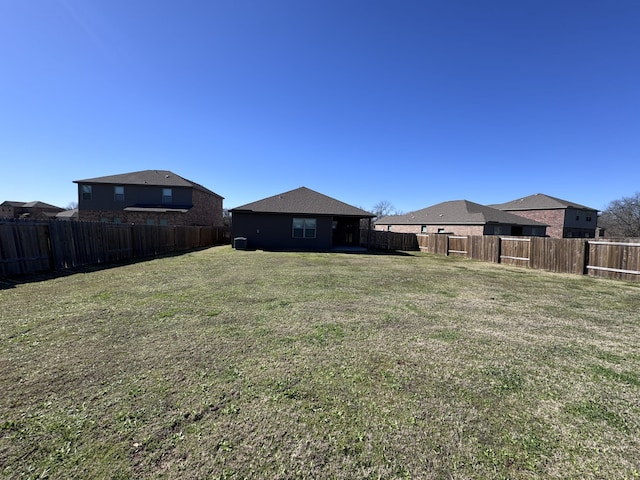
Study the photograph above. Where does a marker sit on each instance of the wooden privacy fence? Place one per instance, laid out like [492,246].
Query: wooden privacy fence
[379,240]
[37,247]
[617,259]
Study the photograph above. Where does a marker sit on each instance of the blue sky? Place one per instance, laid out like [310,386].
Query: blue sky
[410,101]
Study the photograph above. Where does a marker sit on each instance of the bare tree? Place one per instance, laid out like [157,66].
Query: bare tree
[226,217]
[72,205]
[382,209]
[621,218]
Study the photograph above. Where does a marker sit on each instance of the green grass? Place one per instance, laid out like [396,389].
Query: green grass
[227,364]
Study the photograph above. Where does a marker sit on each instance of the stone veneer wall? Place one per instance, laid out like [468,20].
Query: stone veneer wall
[7,211]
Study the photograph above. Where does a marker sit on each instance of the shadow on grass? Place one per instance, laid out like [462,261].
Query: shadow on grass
[13,280]
[343,250]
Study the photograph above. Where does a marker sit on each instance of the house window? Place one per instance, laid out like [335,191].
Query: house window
[423,229]
[151,221]
[304,228]
[163,222]
[118,193]
[167,196]
[117,220]
[588,219]
[440,230]
[86,192]
[577,218]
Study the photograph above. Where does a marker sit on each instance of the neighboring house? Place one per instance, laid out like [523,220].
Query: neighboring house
[461,217]
[564,219]
[153,197]
[28,210]
[300,219]
[68,215]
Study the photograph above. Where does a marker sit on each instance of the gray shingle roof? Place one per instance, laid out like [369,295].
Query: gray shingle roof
[303,201]
[457,212]
[539,201]
[34,204]
[39,204]
[156,178]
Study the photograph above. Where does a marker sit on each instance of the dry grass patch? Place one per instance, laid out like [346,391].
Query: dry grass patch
[231,364]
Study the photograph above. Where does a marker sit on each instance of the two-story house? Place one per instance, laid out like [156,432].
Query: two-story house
[565,219]
[153,197]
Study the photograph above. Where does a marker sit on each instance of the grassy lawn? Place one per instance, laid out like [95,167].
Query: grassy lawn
[232,364]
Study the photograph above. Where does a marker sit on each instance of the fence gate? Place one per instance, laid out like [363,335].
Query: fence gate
[620,260]
[515,251]
[457,245]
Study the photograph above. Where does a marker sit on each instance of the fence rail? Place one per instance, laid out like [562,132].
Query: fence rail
[37,247]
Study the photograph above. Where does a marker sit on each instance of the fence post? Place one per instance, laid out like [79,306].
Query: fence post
[585,257]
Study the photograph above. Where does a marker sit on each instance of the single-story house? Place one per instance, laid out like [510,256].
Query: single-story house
[461,217]
[29,210]
[301,219]
[68,215]
[565,219]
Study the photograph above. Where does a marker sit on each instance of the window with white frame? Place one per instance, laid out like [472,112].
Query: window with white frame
[304,228]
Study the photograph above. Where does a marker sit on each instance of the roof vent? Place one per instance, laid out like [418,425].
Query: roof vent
[166,176]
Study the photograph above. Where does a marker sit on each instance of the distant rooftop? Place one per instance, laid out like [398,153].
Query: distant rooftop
[34,204]
[457,212]
[539,201]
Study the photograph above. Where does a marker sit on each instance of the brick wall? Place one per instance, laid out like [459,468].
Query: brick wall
[553,218]
[399,228]
[457,229]
[206,211]
[454,229]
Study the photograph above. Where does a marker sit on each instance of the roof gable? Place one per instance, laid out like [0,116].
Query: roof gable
[457,212]
[156,178]
[540,201]
[303,201]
